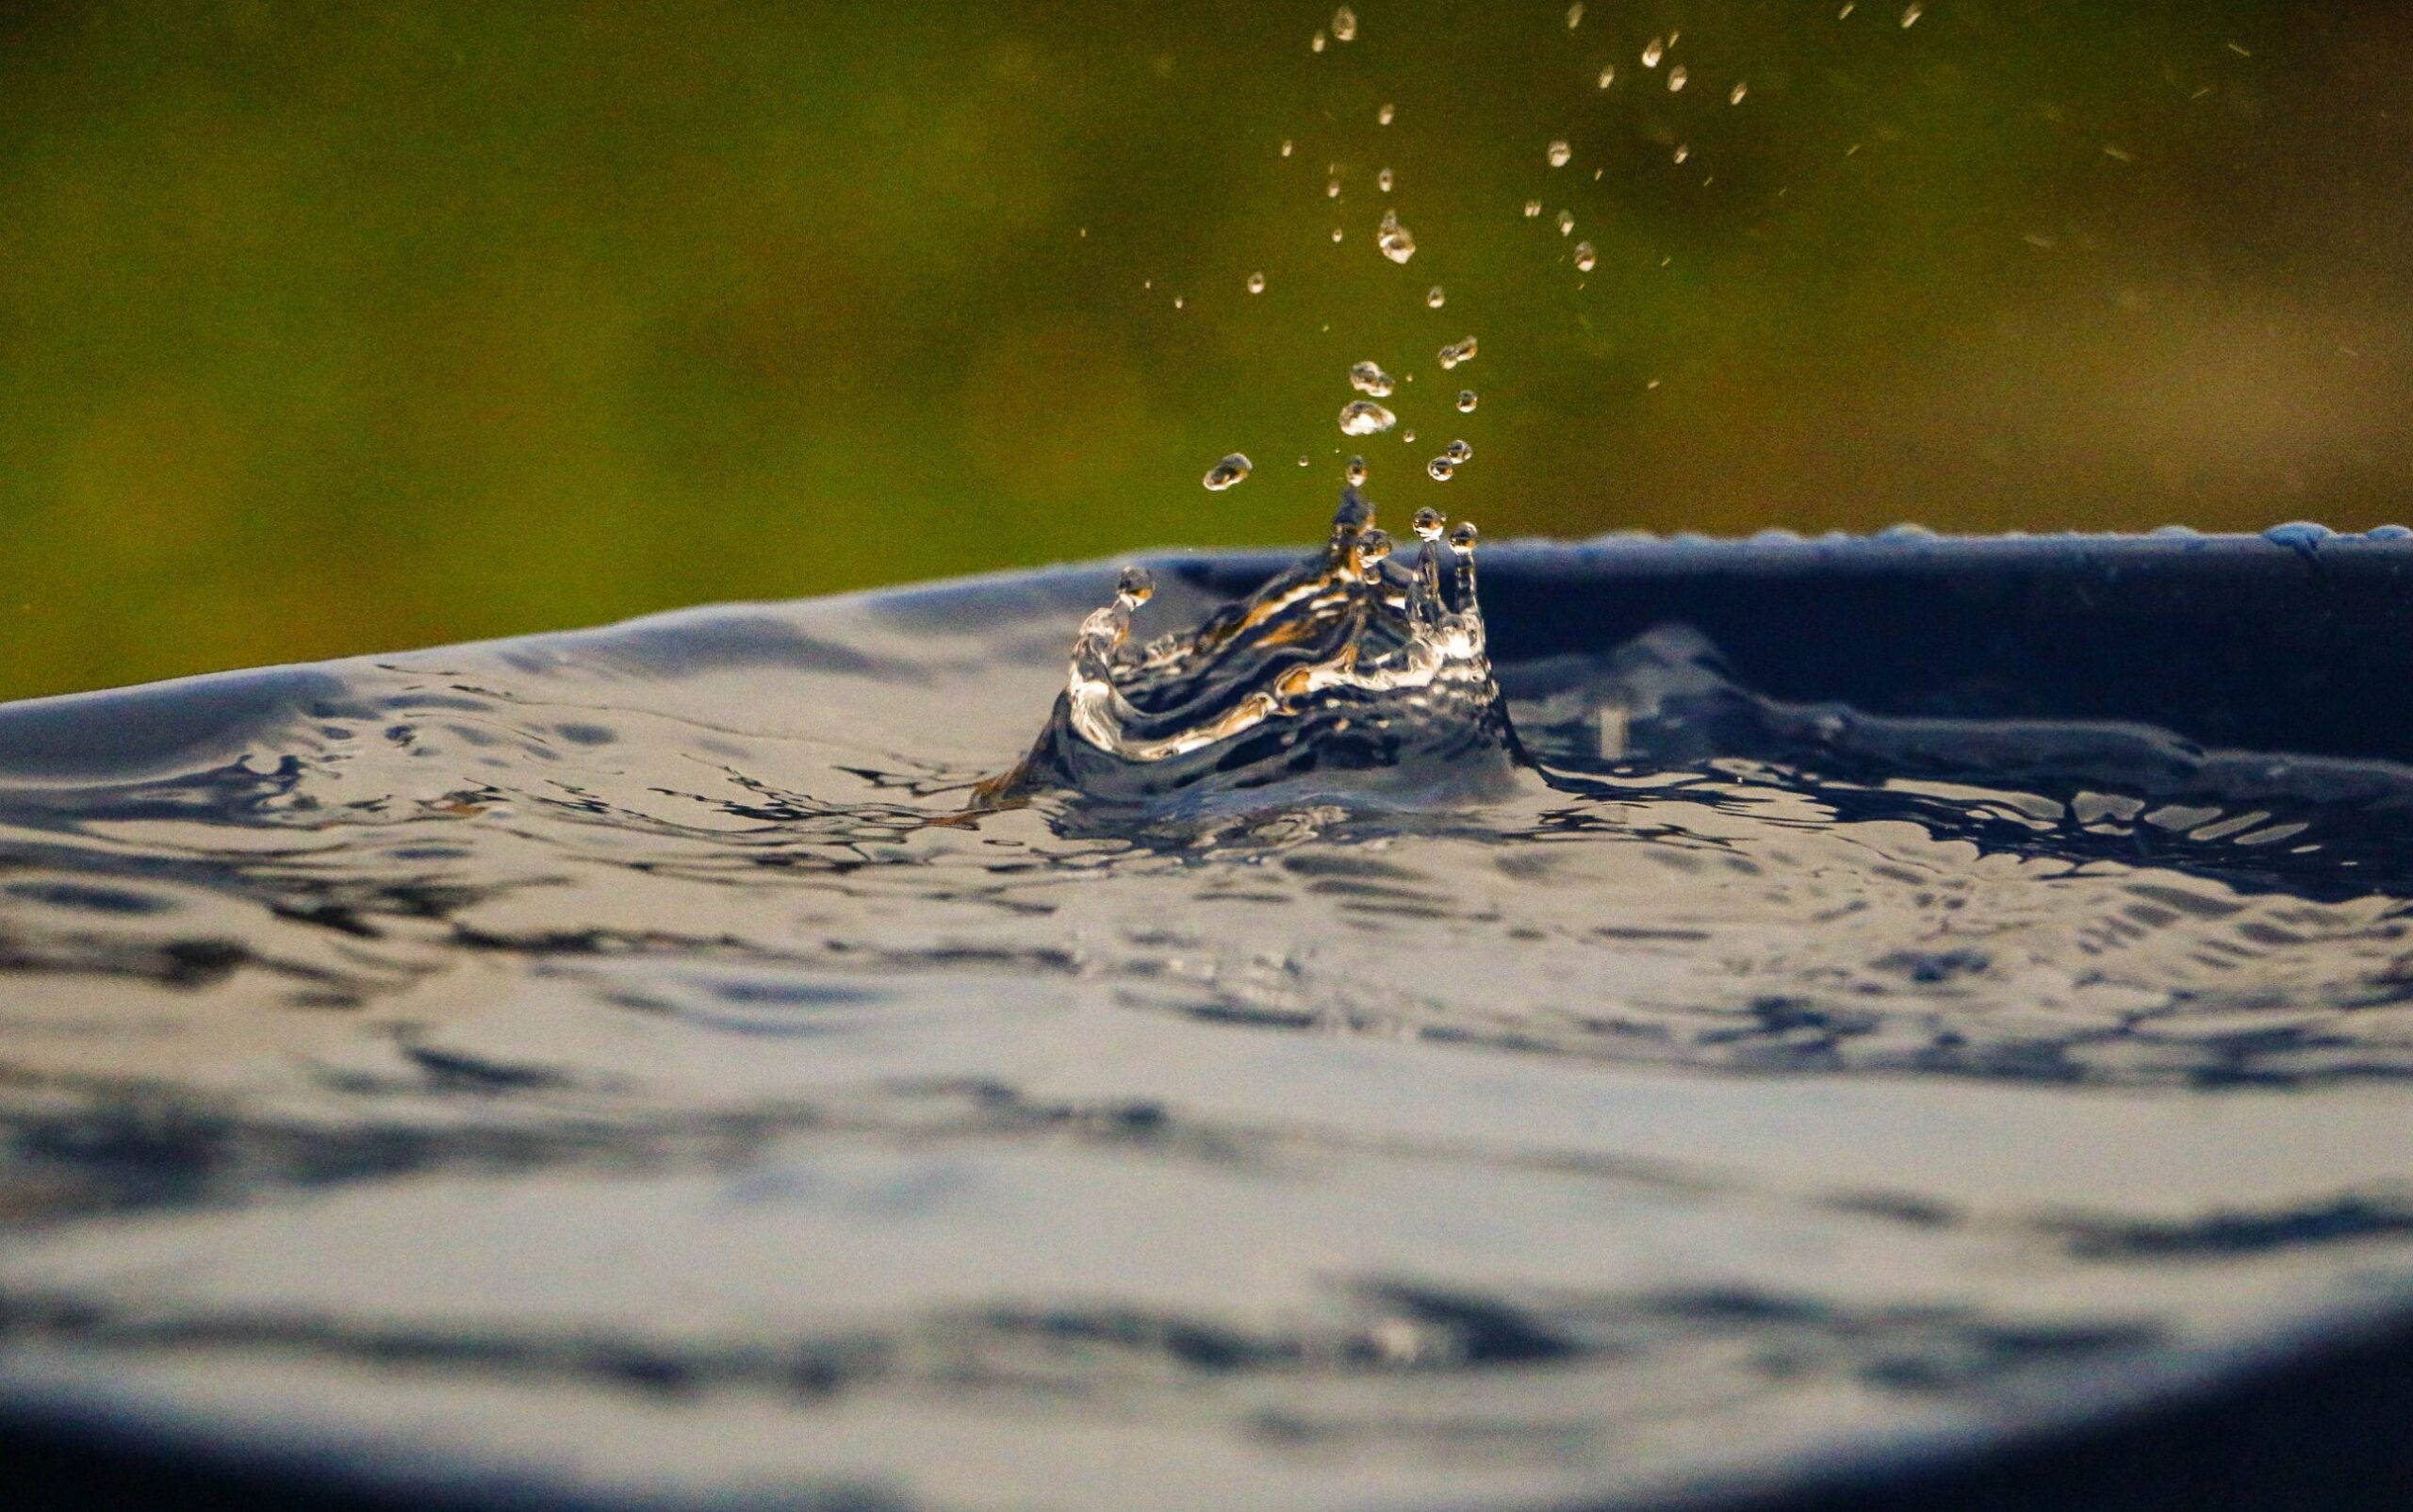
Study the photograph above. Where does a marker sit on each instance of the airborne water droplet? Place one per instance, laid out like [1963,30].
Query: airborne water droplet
[1533,208]
[1608,75]
[1331,189]
[1363,417]
[1257,283]
[1458,452]
[1457,352]
[1585,256]
[1383,181]
[1677,78]
[1566,222]
[1735,95]
[1226,472]
[1393,238]
[1466,401]
[1335,233]
[1369,378]
[1344,25]
[1285,146]
[1442,470]
[1355,472]
[1382,116]
[1316,45]
[1408,436]
[1559,154]
[1910,18]
[1655,50]
[1575,15]
[1433,297]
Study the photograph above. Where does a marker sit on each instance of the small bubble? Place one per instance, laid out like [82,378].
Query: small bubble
[1433,297]
[1285,146]
[1584,258]
[1257,283]
[1566,222]
[1382,116]
[1559,154]
[1331,189]
[1226,472]
[1442,470]
[1363,417]
[1393,238]
[1457,352]
[1458,452]
[1654,51]
[1533,208]
[1466,401]
[1735,95]
[1575,15]
[1383,181]
[1355,472]
[1677,78]
[1910,18]
[1344,25]
[1317,44]
[1608,75]
[1369,378]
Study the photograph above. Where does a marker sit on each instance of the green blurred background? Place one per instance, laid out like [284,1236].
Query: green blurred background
[330,328]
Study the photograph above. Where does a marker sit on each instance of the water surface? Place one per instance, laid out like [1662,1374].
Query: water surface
[620,1060]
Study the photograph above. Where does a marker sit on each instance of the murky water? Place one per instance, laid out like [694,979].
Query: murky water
[620,1058]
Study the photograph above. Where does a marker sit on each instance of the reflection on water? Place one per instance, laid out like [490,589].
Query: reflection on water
[624,1059]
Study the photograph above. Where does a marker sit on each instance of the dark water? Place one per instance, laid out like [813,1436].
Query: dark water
[620,1059]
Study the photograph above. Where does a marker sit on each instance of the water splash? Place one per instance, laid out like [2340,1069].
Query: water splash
[1348,662]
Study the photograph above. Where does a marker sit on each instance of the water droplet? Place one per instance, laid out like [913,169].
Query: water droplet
[1335,233]
[1382,116]
[1257,283]
[1331,189]
[1442,470]
[1608,75]
[1226,472]
[1575,15]
[1316,45]
[1910,18]
[1584,258]
[1466,401]
[1559,154]
[1383,181]
[1682,152]
[1410,436]
[1566,222]
[1363,417]
[1302,462]
[1176,302]
[1677,78]
[1457,352]
[1393,238]
[1428,522]
[1533,208]
[1433,297]
[1369,378]
[1344,25]
[1735,95]
[1654,51]
[1355,472]
[1845,14]
[1458,452]
[1285,146]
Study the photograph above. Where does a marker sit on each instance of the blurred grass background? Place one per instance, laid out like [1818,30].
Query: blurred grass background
[330,327]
